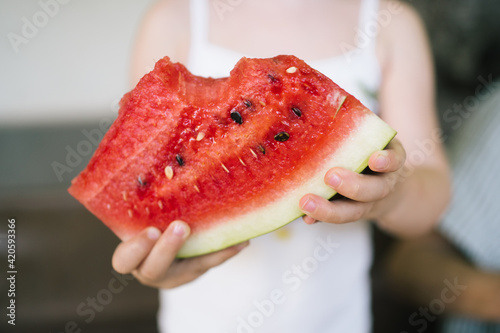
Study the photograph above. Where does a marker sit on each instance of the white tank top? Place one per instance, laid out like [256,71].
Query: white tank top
[301,278]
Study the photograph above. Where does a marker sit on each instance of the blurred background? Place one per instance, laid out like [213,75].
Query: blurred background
[63,67]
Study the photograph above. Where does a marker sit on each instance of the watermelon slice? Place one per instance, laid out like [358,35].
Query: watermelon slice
[231,156]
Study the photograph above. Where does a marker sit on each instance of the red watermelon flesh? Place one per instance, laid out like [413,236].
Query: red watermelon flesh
[231,156]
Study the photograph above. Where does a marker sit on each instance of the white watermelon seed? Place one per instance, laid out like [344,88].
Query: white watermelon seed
[169,172]
[197,188]
[124,195]
[200,136]
[130,213]
[160,204]
[253,153]
[241,161]
[224,167]
[291,70]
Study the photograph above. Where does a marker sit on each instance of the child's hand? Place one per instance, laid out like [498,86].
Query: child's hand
[368,193]
[150,257]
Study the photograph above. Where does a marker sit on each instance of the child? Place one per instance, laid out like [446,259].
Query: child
[303,278]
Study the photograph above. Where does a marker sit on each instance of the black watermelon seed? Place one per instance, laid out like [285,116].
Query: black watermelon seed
[297,111]
[236,116]
[277,86]
[282,136]
[142,181]
[179,159]
[262,149]
[272,78]
[247,103]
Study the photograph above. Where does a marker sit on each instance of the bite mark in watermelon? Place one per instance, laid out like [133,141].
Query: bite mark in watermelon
[232,157]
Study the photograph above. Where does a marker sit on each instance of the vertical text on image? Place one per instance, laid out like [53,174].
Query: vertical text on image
[11,271]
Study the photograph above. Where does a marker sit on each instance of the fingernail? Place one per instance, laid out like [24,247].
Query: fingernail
[179,229]
[309,206]
[154,233]
[334,179]
[381,162]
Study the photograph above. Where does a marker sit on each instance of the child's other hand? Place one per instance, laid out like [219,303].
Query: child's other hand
[150,257]
[367,194]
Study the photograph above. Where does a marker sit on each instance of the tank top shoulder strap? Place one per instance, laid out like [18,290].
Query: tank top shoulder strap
[368,23]
[199,22]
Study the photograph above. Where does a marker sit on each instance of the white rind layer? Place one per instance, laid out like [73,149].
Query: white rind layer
[372,134]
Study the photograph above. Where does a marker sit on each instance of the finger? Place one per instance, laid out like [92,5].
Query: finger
[308,219]
[154,268]
[203,263]
[188,270]
[339,211]
[388,160]
[129,254]
[360,187]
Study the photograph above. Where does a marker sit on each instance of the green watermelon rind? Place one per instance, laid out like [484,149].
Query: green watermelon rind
[372,134]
